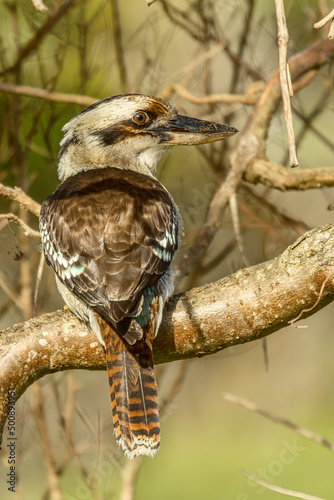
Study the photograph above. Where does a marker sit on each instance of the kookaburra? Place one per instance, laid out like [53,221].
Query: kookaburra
[109,231]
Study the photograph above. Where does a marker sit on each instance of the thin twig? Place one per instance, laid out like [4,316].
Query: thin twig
[326,141]
[324,283]
[302,431]
[34,43]
[173,389]
[324,21]
[117,35]
[82,100]
[130,473]
[279,489]
[51,470]
[27,230]
[39,5]
[38,282]
[283,39]
[296,225]
[237,230]
[14,297]
[243,41]
[309,118]
[331,30]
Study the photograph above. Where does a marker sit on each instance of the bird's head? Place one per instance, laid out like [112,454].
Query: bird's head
[130,131]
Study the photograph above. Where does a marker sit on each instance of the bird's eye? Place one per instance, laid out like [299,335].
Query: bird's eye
[140,118]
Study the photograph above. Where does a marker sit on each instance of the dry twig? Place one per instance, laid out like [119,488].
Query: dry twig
[327,19]
[249,98]
[278,489]
[39,5]
[285,79]
[302,431]
[82,100]
[251,145]
[33,44]
[54,492]
[27,230]
[130,474]
[117,34]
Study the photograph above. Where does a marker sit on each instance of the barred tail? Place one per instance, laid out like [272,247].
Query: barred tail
[133,392]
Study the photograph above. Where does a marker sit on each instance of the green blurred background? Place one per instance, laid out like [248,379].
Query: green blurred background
[206,440]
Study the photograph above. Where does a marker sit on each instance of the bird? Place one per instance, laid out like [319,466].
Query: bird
[110,231]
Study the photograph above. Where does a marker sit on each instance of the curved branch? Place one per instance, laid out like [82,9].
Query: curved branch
[249,97]
[329,18]
[27,230]
[245,306]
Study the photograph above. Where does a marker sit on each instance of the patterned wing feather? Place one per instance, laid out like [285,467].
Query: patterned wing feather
[108,234]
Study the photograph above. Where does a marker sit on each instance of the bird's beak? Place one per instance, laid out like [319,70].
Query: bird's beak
[187,131]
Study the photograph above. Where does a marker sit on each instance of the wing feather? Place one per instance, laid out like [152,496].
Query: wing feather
[109,233]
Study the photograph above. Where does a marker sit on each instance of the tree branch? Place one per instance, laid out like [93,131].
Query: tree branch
[31,46]
[284,74]
[276,176]
[17,194]
[48,95]
[27,230]
[245,306]
[324,21]
[251,143]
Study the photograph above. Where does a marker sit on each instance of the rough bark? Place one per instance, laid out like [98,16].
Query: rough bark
[250,304]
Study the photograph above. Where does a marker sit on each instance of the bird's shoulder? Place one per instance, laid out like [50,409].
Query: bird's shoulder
[108,200]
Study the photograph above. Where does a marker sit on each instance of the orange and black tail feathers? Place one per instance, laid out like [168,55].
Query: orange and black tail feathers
[133,392]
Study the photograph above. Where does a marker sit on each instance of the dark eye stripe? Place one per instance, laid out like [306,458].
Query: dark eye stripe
[122,130]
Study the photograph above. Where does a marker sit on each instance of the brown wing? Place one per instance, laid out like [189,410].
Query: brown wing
[108,234]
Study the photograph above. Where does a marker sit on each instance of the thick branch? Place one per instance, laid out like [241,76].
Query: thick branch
[249,97]
[245,306]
